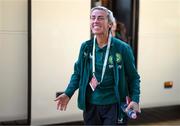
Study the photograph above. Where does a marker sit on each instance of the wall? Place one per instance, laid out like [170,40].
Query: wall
[13,60]
[58,29]
[159,51]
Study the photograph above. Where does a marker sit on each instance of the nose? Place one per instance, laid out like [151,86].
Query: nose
[95,19]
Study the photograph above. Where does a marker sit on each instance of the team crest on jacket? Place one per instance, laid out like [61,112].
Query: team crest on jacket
[110,60]
[118,57]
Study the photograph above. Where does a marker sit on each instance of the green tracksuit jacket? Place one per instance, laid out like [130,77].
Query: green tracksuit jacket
[121,59]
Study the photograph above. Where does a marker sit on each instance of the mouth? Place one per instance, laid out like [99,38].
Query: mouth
[96,27]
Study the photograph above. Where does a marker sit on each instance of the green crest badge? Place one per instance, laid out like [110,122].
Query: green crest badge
[118,57]
[110,60]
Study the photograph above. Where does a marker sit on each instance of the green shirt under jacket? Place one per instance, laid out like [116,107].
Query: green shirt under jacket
[121,59]
[104,93]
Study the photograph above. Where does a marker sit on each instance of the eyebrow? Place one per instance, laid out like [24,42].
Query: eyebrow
[97,16]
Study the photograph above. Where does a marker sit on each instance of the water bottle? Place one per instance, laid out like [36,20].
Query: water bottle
[130,113]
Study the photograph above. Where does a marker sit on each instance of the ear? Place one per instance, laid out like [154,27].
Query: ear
[110,25]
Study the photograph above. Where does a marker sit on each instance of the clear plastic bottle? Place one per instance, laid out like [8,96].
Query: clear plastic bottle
[130,113]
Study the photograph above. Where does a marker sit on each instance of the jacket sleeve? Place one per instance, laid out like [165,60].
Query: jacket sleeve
[133,78]
[75,77]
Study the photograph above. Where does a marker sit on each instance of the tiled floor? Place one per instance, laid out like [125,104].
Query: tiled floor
[163,116]
[169,123]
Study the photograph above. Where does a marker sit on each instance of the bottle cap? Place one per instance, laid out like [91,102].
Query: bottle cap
[134,116]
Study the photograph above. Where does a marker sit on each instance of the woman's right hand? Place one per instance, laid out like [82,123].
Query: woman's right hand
[62,102]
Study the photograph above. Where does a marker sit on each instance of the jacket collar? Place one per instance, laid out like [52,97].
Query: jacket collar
[90,42]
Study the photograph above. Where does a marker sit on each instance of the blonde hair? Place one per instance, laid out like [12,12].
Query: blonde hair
[110,16]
